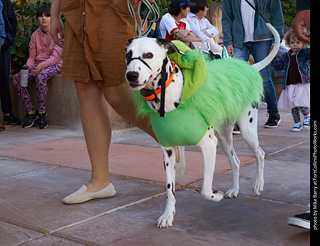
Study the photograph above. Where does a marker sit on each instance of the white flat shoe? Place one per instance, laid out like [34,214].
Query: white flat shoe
[82,195]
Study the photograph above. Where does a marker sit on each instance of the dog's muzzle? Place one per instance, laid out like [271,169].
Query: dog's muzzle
[132,76]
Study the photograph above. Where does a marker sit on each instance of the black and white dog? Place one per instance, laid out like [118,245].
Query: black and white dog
[145,58]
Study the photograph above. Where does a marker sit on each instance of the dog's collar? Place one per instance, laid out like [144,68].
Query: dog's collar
[150,95]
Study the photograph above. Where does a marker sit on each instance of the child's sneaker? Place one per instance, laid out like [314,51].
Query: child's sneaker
[306,122]
[297,127]
[30,119]
[43,122]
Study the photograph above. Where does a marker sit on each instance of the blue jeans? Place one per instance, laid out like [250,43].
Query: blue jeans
[259,51]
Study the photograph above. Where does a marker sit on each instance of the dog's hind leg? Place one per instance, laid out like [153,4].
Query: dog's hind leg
[226,141]
[248,126]
[208,145]
[180,164]
[169,159]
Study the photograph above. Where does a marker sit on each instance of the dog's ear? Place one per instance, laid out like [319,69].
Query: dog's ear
[169,46]
[128,43]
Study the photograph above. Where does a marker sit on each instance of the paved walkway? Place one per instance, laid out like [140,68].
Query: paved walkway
[40,167]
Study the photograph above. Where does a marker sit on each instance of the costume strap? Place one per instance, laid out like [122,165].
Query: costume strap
[150,95]
[146,12]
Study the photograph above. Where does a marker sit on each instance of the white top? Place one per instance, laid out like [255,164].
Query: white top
[198,25]
[247,14]
[169,24]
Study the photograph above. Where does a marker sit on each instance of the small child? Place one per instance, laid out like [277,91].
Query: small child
[201,26]
[296,80]
[45,60]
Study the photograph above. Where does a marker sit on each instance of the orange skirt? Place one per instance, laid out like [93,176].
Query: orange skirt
[96,33]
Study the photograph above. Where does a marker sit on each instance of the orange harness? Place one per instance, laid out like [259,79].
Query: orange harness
[158,91]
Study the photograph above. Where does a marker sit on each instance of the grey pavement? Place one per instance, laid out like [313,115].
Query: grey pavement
[31,189]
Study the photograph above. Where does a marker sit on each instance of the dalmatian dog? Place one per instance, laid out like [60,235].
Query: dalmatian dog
[145,59]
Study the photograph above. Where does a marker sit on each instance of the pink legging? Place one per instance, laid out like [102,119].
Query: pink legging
[41,85]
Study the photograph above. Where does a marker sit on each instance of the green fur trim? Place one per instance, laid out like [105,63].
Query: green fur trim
[230,87]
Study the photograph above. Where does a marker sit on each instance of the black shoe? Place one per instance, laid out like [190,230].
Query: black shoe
[300,220]
[43,122]
[9,119]
[273,121]
[30,120]
[2,128]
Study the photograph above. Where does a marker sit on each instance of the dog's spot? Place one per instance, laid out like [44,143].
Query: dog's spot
[169,152]
[249,112]
[172,189]
[209,136]
[176,69]
[139,68]
[251,119]
[173,81]
[169,186]
[165,61]
[129,56]
[158,70]
[232,152]
[176,104]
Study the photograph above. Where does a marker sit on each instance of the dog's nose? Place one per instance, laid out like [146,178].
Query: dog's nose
[132,76]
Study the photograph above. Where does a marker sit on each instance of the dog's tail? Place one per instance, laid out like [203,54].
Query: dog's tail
[260,65]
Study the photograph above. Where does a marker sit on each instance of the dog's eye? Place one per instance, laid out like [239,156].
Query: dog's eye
[148,55]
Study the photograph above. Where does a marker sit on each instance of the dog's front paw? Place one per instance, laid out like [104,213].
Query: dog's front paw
[232,193]
[166,220]
[258,186]
[215,196]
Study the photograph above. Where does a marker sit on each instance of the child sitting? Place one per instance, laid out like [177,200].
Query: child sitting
[174,26]
[296,80]
[45,60]
[202,28]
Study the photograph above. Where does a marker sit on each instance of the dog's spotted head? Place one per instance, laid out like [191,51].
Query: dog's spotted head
[144,57]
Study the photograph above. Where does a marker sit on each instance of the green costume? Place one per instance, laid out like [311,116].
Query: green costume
[212,98]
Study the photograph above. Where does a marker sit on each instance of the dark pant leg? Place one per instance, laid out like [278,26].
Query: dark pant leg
[6,103]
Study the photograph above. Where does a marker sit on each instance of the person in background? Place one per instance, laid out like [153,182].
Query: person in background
[201,27]
[155,30]
[301,21]
[5,58]
[45,60]
[296,80]
[245,33]
[2,40]
[174,26]
[214,15]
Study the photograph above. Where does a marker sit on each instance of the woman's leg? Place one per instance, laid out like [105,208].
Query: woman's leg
[97,132]
[121,99]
